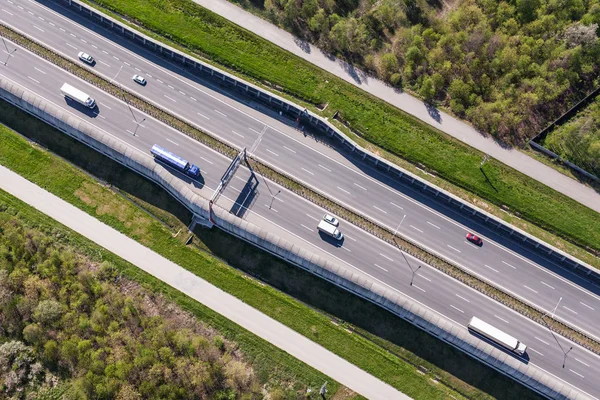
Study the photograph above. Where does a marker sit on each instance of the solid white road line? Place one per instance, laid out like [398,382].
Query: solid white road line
[493,269]
[453,248]
[535,351]
[543,341]
[578,360]
[577,373]
[513,267]
[533,290]
[460,297]
[396,205]
[379,266]
[415,286]
[415,228]
[545,284]
[384,256]
[501,319]
[304,226]
[311,217]
[456,308]
[435,226]
[568,309]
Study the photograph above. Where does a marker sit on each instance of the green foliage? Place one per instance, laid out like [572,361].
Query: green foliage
[110,346]
[501,51]
[578,141]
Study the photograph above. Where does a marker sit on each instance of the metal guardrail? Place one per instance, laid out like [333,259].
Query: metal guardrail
[397,303]
[277,103]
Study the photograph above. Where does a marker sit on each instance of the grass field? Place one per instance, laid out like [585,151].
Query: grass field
[406,347]
[387,127]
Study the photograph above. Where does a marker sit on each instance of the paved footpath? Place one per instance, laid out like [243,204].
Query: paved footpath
[407,103]
[211,296]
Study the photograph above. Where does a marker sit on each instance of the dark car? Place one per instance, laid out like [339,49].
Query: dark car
[474,239]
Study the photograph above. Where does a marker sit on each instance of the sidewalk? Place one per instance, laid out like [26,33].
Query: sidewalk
[407,103]
[225,304]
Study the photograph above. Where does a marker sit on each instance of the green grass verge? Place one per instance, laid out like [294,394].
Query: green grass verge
[407,347]
[209,35]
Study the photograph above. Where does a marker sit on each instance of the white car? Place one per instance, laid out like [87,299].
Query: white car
[139,79]
[331,219]
[85,57]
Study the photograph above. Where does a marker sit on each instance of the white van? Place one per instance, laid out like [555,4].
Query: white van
[330,230]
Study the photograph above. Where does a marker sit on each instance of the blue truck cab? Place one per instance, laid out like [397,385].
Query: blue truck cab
[174,161]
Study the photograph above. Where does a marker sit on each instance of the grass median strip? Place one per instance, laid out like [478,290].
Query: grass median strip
[384,234]
[411,361]
[191,27]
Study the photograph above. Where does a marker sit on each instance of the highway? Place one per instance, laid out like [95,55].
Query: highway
[298,218]
[501,260]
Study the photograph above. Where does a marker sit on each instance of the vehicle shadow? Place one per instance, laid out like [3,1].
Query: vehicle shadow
[332,241]
[425,198]
[89,112]
[197,182]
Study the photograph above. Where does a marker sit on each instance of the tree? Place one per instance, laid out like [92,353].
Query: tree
[427,90]
[47,312]
[33,333]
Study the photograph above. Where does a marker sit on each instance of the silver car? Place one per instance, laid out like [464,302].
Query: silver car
[139,79]
[85,57]
[331,219]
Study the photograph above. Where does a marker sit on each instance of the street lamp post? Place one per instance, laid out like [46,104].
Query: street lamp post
[8,52]
[565,353]
[414,271]
[398,227]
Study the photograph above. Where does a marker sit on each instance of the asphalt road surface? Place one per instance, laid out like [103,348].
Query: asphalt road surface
[198,289]
[501,260]
[272,207]
[404,101]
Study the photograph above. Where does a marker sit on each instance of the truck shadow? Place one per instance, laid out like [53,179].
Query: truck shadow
[89,112]
[332,241]
[197,182]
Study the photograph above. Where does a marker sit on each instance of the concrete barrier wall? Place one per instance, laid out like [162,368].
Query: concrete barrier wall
[393,301]
[277,103]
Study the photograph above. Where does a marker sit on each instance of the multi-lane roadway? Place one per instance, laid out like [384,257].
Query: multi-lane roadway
[501,260]
[298,218]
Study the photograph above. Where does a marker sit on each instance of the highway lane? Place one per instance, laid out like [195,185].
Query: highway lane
[503,261]
[365,254]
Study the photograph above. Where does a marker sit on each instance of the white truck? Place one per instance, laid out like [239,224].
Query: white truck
[330,230]
[77,95]
[497,336]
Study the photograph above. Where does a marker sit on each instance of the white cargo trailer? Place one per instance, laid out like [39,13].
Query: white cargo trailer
[330,230]
[497,336]
[77,95]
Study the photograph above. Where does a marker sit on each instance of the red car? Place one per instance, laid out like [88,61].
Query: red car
[474,239]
